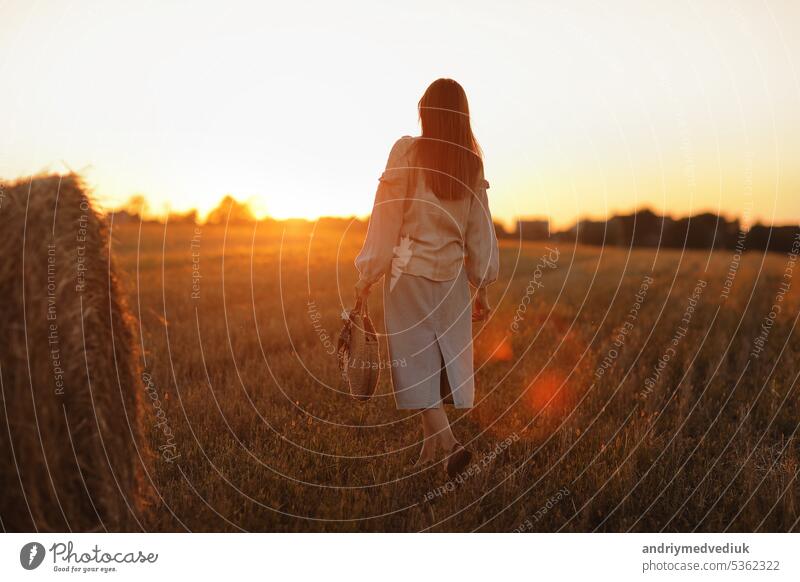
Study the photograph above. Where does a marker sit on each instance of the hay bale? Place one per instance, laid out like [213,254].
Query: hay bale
[71,387]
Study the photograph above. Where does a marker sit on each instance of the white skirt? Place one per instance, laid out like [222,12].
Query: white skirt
[429,328]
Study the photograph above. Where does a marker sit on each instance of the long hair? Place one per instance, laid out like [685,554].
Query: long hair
[448,153]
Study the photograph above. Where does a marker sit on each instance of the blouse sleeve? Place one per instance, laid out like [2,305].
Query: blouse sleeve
[386,220]
[482,254]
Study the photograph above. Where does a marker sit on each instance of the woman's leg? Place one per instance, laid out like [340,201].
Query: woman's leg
[436,433]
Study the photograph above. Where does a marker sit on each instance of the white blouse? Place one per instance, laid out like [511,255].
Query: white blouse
[417,233]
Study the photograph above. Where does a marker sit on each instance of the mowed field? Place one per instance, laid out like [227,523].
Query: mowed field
[616,390]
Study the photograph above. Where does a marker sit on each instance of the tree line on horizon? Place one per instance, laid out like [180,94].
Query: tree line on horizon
[642,228]
[645,228]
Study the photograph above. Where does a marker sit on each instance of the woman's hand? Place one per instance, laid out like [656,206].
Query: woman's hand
[362,289]
[481,308]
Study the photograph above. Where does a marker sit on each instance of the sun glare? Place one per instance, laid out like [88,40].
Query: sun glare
[247,105]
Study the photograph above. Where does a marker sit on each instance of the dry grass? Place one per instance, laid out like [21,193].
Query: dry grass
[264,439]
[235,384]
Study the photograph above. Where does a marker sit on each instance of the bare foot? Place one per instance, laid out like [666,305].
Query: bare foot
[426,456]
[457,460]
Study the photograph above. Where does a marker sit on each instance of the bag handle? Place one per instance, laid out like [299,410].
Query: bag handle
[361,306]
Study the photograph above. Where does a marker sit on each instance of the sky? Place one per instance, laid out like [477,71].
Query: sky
[583,109]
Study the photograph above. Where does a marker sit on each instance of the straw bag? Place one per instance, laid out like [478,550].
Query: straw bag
[358,352]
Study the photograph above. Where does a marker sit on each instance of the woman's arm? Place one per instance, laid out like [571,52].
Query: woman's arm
[386,220]
[482,260]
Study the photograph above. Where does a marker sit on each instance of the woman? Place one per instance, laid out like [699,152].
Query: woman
[431,235]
